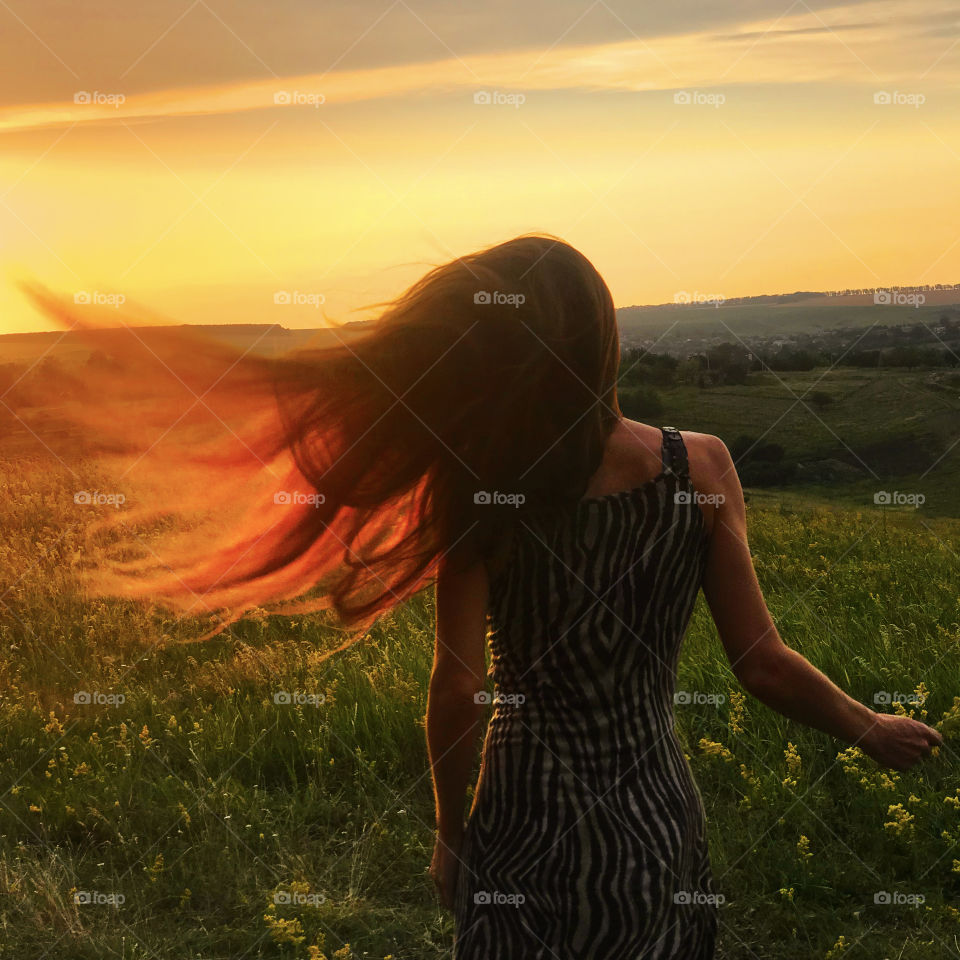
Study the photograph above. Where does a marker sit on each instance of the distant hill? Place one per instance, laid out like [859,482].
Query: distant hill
[261,338]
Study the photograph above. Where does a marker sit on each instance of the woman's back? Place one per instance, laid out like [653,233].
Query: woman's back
[586,807]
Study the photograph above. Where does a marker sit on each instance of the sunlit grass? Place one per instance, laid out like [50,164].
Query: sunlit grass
[203,816]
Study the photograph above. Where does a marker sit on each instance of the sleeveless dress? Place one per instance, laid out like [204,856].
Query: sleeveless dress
[587,837]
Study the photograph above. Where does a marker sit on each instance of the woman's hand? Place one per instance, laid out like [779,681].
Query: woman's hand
[445,867]
[898,742]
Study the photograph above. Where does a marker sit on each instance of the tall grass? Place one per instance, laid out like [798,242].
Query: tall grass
[239,799]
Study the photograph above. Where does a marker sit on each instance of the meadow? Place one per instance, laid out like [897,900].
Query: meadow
[237,798]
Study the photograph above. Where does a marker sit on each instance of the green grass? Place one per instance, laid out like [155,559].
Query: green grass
[898,428]
[199,798]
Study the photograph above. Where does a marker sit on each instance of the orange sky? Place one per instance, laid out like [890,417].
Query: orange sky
[201,161]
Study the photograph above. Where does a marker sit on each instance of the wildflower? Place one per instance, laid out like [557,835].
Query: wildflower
[950,720]
[837,948]
[787,893]
[283,931]
[54,726]
[902,821]
[803,848]
[81,769]
[156,869]
[737,701]
[714,749]
[793,765]
[145,737]
[184,812]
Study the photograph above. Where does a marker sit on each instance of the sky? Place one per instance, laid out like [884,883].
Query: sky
[295,163]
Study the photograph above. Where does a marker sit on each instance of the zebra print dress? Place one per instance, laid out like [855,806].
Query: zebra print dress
[587,835]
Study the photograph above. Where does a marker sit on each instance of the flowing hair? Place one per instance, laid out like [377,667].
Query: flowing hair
[342,475]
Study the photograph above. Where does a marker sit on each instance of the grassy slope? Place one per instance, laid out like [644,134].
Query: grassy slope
[869,410]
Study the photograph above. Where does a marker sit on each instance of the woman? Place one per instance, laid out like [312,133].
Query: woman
[471,438]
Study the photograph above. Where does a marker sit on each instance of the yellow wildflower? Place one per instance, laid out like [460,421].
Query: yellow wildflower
[902,821]
[713,749]
[737,711]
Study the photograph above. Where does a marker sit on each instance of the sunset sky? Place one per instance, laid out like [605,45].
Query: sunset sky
[198,158]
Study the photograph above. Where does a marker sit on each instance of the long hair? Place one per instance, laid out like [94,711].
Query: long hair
[344,475]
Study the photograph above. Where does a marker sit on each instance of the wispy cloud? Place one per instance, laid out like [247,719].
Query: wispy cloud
[806,46]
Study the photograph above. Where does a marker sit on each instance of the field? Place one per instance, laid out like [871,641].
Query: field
[195,816]
[888,430]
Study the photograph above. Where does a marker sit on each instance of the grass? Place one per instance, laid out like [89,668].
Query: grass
[898,428]
[234,826]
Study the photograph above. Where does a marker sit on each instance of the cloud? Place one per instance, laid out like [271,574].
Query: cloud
[805,47]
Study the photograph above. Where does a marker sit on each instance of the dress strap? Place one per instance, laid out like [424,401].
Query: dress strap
[674,452]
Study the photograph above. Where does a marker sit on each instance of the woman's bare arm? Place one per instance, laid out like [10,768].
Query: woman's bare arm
[766,667]
[453,714]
